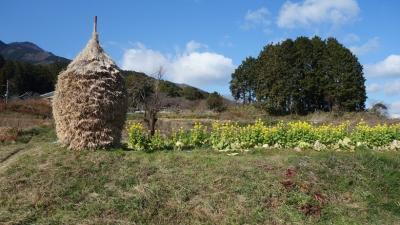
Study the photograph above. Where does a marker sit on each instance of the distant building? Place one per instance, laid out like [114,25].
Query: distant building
[48,96]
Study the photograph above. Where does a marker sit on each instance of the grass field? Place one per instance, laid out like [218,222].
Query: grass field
[43,183]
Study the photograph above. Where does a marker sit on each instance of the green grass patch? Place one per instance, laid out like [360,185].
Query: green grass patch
[48,184]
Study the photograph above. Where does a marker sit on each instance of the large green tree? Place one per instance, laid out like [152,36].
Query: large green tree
[345,82]
[301,76]
[243,80]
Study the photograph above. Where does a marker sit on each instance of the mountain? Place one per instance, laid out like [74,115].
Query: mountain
[28,52]
[2,45]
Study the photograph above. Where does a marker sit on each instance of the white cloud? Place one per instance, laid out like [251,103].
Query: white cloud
[257,18]
[372,88]
[370,46]
[142,59]
[390,66]
[395,116]
[201,68]
[310,12]
[351,38]
[192,66]
[226,42]
[395,109]
[193,46]
[392,88]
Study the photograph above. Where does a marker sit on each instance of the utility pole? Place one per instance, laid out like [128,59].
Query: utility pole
[7,92]
[6,95]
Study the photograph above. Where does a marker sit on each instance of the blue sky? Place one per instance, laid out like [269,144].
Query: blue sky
[200,42]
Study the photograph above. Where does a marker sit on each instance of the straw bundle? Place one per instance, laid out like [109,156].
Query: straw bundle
[90,103]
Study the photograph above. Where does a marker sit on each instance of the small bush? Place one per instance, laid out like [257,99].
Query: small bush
[158,142]
[380,109]
[137,137]
[215,102]
[139,140]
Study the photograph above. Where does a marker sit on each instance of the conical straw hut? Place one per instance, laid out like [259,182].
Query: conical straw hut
[90,103]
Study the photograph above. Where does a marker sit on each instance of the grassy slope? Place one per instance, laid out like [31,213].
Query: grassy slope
[46,184]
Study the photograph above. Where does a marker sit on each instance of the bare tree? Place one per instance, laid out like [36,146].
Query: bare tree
[380,109]
[152,103]
[6,93]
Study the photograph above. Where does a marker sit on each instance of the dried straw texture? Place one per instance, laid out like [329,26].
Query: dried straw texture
[90,103]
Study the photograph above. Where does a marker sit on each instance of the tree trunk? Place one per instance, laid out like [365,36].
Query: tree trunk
[151,120]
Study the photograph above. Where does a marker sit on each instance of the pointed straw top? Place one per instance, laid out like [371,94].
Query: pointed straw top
[95,35]
[92,58]
[95,24]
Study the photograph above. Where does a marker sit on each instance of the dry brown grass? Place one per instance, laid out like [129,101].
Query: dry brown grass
[8,134]
[38,107]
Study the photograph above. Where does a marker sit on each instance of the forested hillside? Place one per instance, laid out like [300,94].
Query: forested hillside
[24,77]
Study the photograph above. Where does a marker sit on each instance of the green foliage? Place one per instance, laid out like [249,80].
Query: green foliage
[192,93]
[243,81]
[252,135]
[139,87]
[170,89]
[299,135]
[330,134]
[302,76]
[139,140]
[215,102]
[197,136]
[24,77]
[158,142]
[137,137]
[224,135]
[380,135]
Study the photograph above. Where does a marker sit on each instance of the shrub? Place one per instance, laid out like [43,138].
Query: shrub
[158,142]
[380,109]
[223,135]
[379,135]
[137,137]
[181,139]
[329,134]
[215,102]
[252,135]
[299,132]
[198,135]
